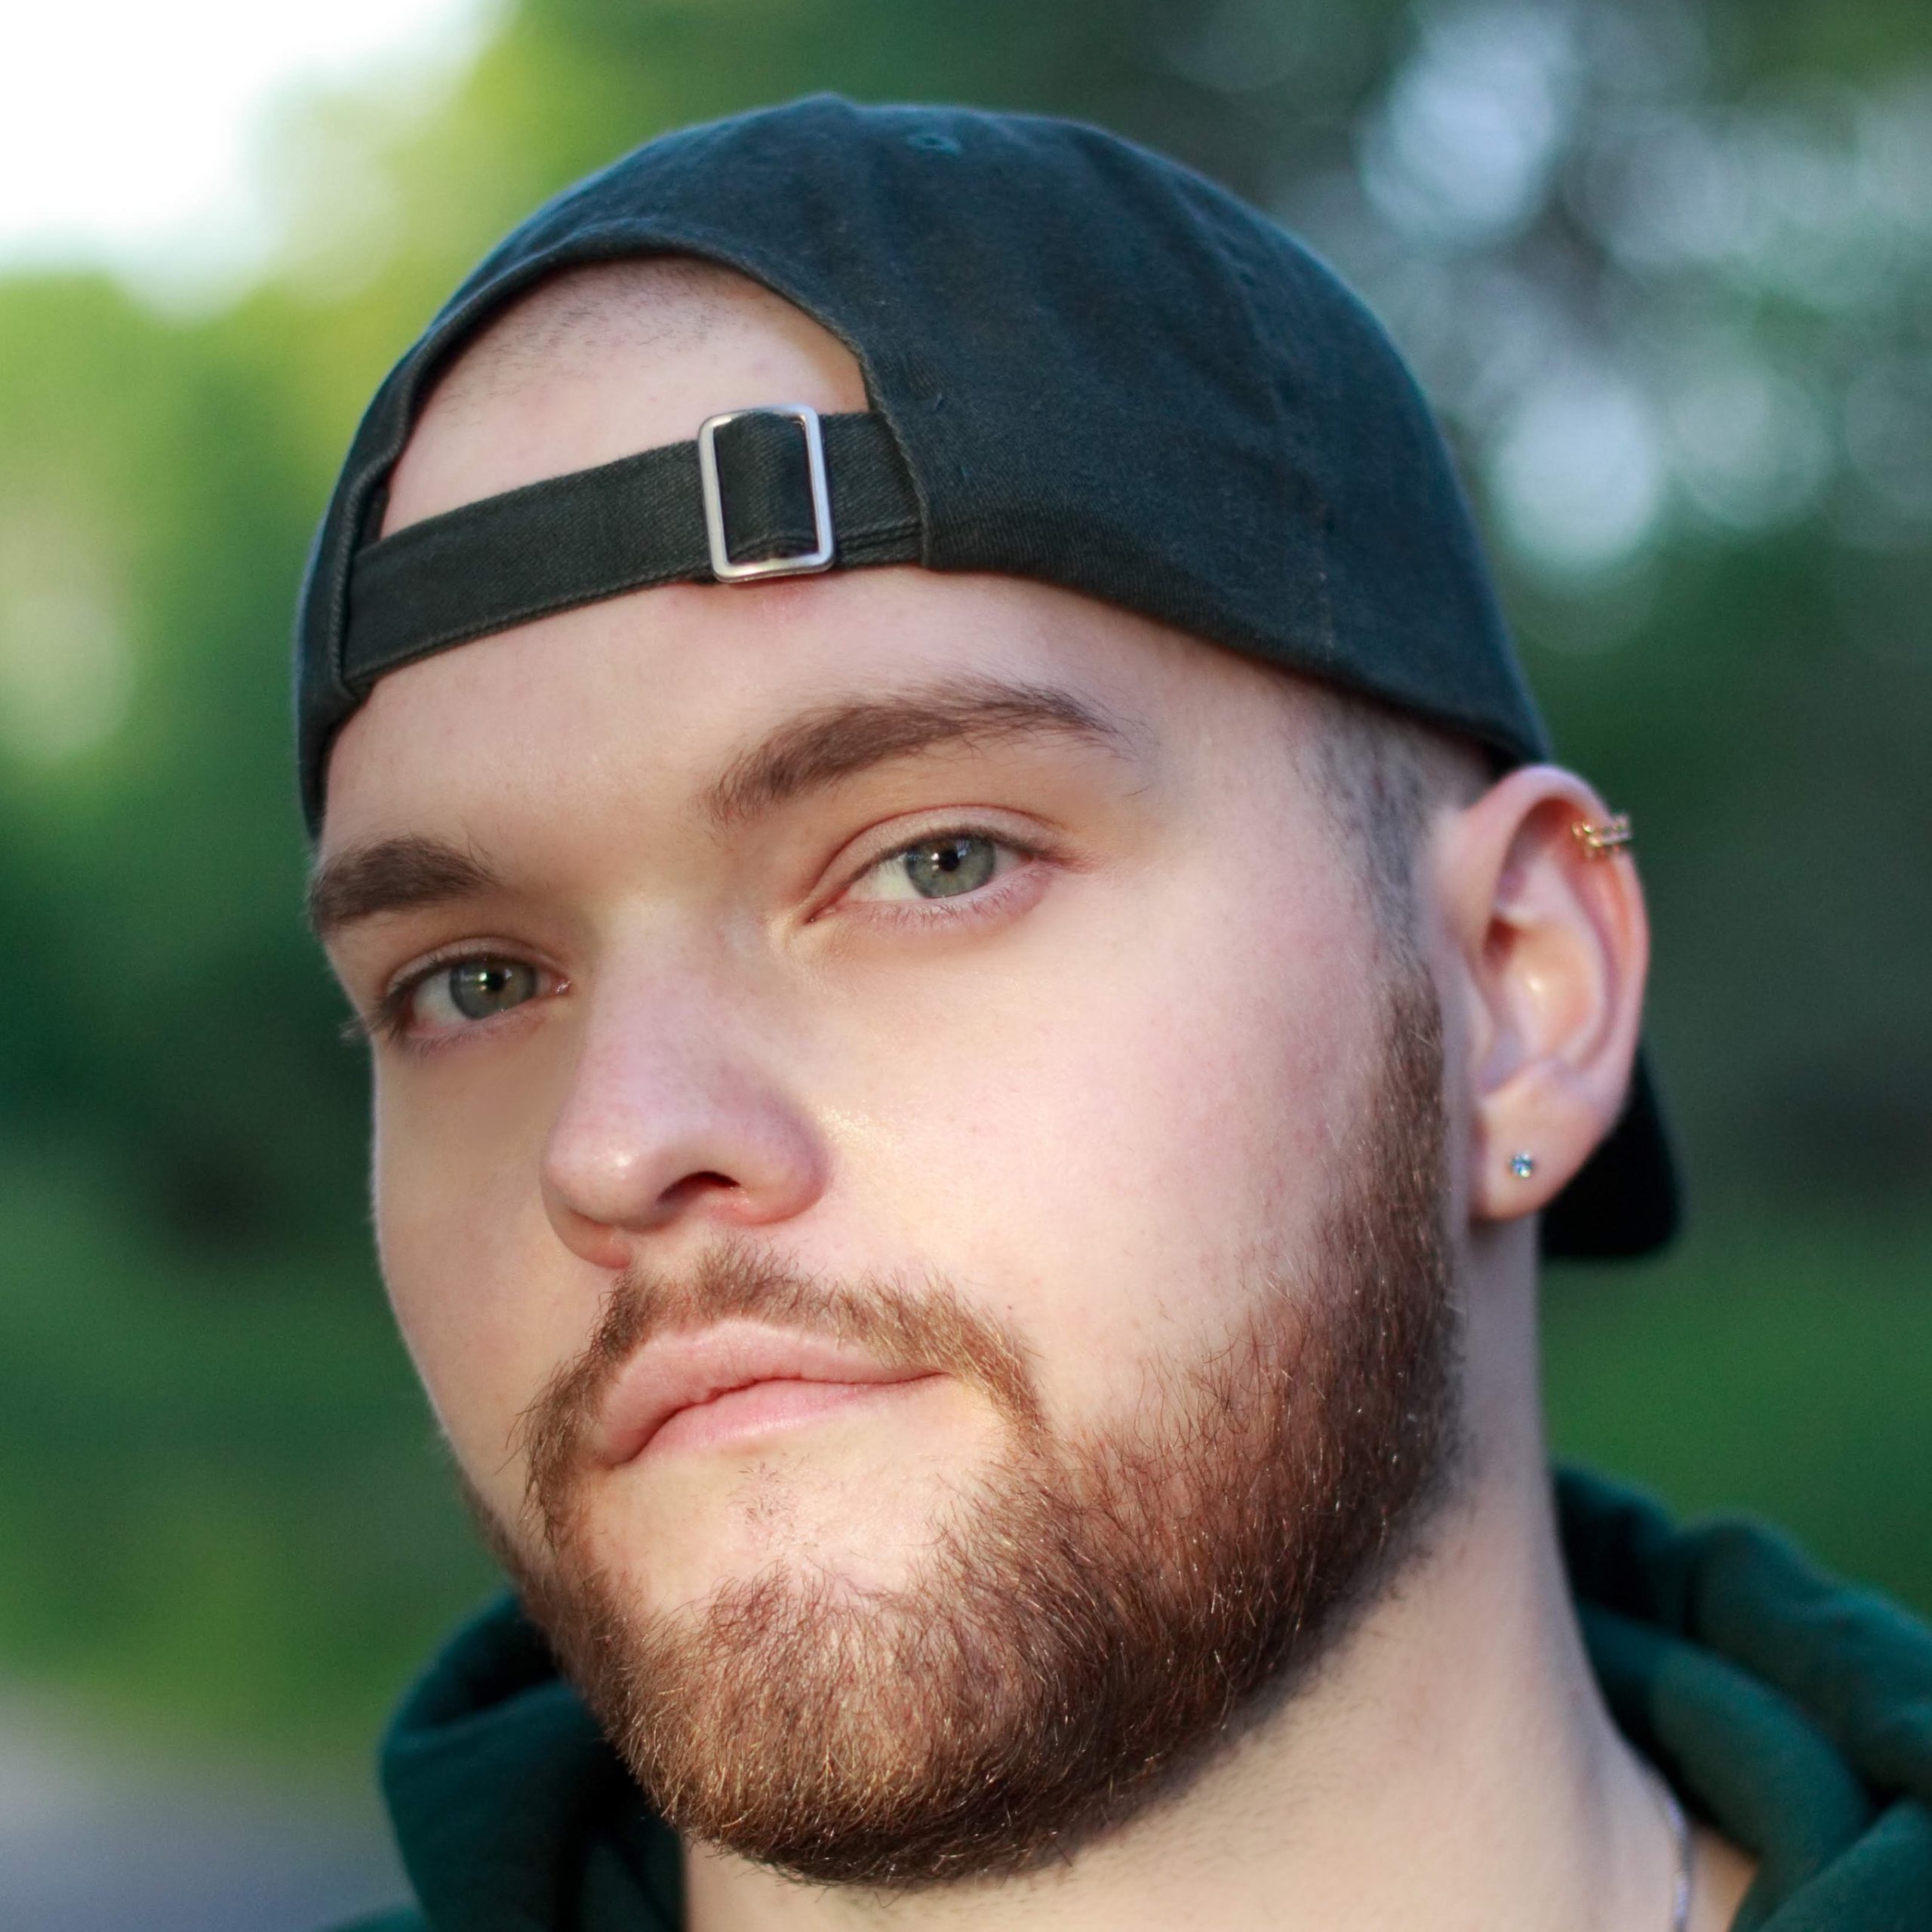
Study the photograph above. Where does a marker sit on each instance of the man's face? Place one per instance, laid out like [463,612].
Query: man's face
[938,1013]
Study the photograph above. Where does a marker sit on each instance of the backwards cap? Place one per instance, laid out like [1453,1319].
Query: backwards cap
[1085,364]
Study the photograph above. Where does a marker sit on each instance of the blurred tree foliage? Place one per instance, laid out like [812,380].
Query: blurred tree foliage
[1667,267]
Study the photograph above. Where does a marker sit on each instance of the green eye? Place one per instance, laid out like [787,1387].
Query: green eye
[480,988]
[943,868]
[949,864]
[467,990]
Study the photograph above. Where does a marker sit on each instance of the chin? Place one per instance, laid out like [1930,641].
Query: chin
[757,1523]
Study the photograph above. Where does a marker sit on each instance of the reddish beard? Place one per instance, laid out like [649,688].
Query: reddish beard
[1103,1610]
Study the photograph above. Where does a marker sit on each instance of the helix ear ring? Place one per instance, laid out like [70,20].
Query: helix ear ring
[1522,1165]
[1599,841]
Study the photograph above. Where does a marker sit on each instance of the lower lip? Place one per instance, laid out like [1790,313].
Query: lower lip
[767,1408]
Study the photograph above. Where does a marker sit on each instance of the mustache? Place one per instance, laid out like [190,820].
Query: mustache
[929,1329]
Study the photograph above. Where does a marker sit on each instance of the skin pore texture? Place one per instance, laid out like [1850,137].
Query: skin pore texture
[1053,1083]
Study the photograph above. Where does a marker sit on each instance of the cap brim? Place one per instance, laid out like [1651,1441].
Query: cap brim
[1625,1201]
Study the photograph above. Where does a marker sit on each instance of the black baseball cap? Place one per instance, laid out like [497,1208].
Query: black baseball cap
[1084,364]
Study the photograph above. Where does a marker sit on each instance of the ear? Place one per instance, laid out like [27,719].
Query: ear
[1549,945]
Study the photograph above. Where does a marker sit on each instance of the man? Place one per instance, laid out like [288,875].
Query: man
[981,998]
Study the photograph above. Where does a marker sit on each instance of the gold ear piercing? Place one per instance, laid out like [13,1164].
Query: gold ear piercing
[1598,841]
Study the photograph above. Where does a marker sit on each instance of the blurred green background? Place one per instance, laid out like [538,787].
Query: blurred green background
[1667,270]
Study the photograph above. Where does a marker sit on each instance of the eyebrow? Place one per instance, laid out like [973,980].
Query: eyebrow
[399,874]
[840,740]
[411,872]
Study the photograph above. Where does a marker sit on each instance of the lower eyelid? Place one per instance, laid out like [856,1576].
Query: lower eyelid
[989,901]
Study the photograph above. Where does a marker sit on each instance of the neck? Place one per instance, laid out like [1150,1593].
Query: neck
[1452,1764]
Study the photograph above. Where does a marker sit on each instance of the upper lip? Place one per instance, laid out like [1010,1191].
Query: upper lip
[675,1371]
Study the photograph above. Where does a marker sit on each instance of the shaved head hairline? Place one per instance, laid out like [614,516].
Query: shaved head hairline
[1383,776]
[572,318]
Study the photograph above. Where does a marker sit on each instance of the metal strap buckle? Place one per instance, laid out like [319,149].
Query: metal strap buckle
[819,557]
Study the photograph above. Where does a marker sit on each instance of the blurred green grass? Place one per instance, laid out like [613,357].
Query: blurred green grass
[227,1518]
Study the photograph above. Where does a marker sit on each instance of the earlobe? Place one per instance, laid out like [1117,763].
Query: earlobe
[1545,917]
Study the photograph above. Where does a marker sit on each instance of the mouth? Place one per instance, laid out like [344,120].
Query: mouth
[734,1382]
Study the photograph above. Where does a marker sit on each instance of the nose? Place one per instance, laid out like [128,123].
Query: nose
[674,1115]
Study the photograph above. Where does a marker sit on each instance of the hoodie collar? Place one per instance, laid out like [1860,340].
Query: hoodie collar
[1794,1711]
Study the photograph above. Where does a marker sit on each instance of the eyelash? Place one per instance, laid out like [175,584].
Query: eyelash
[389,1020]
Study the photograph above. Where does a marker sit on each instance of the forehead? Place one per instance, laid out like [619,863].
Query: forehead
[634,709]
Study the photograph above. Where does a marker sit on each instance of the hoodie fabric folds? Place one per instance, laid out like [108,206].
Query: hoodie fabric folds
[1792,1710]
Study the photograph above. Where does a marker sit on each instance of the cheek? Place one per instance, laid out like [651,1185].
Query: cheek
[472,1271]
[1133,1117]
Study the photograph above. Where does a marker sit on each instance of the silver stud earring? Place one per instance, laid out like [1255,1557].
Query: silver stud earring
[1522,1165]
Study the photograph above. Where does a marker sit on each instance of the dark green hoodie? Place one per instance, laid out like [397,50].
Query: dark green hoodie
[1793,1712]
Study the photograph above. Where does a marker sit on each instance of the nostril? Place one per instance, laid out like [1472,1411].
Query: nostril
[682,1194]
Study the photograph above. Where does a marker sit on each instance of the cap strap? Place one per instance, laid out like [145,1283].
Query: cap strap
[595,534]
